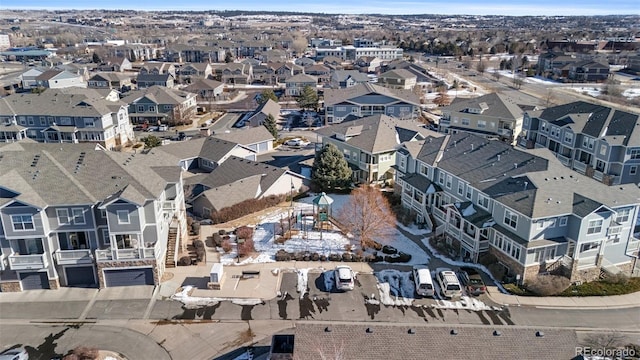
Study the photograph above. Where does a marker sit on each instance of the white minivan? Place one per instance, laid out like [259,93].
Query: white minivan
[423,281]
[449,284]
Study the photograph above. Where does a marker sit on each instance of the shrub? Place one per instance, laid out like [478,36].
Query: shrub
[222,232]
[246,248]
[83,353]
[244,232]
[217,239]
[348,247]
[226,245]
[282,255]
[618,278]
[198,244]
[547,285]
[184,261]
[245,208]
[195,228]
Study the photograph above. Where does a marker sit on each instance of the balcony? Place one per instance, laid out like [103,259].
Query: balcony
[125,254]
[564,160]
[505,132]
[28,262]
[439,214]
[580,167]
[598,175]
[169,206]
[72,257]
[368,167]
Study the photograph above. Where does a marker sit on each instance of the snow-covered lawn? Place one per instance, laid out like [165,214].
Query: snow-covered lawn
[191,302]
[631,93]
[588,90]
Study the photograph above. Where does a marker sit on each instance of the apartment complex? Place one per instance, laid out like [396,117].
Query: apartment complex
[598,141]
[524,207]
[71,115]
[74,215]
[352,53]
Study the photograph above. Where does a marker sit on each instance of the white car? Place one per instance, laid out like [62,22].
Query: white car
[15,354]
[296,142]
[344,278]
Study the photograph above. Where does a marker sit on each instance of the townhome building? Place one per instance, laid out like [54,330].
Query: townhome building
[161,104]
[75,215]
[602,142]
[189,73]
[589,71]
[352,53]
[296,84]
[147,80]
[534,215]
[369,99]
[110,80]
[497,115]
[398,79]
[59,79]
[369,144]
[342,79]
[64,115]
[233,73]
[118,64]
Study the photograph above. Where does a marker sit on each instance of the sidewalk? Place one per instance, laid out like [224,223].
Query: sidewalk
[575,302]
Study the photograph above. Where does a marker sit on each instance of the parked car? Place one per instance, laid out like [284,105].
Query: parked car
[344,278]
[296,142]
[472,281]
[449,284]
[422,279]
[15,354]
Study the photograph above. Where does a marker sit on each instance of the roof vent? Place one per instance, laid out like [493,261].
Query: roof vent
[515,165]
[498,157]
[369,330]
[497,333]
[526,183]
[327,329]
[411,331]
[539,334]
[453,332]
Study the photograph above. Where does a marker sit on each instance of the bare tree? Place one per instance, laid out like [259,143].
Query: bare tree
[443,99]
[367,215]
[496,74]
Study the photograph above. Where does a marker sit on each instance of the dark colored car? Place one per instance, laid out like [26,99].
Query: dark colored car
[472,281]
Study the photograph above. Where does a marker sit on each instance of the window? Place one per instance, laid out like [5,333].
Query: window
[22,222]
[152,108]
[140,108]
[465,121]
[78,216]
[623,216]
[65,120]
[469,192]
[588,143]
[563,221]
[89,122]
[167,107]
[635,154]
[43,121]
[603,149]
[105,237]
[568,137]
[103,214]
[460,188]
[633,170]
[347,154]
[544,127]
[510,219]
[30,119]
[403,162]
[589,246]
[482,124]
[441,178]
[63,216]
[123,217]
[483,201]
[595,227]
[424,170]
[449,181]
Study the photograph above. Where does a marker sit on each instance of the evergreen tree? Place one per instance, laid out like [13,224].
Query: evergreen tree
[270,124]
[330,169]
[308,99]
[151,141]
[96,58]
[267,94]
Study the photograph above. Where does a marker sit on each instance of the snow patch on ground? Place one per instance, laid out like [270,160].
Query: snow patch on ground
[303,278]
[395,287]
[631,93]
[387,299]
[413,229]
[465,302]
[192,302]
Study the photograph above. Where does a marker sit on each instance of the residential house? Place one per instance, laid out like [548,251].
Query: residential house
[206,89]
[28,78]
[59,79]
[602,142]
[74,215]
[421,73]
[333,62]
[525,208]
[147,80]
[497,115]
[342,79]
[236,180]
[263,74]
[188,73]
[256,138]
[110,80]
[320,71]
[398,79]
[115,64]
[263,111]
[295,84]
[368,64]
[233,73]
[369,99]
[589,71]
[283,71]
[158,68]
[369,144]
[159,104]
[57,116]
[304,61]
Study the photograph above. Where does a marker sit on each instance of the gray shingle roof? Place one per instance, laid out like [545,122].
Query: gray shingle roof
[233,193]
[209,148]
[335,96]
[495,104]
[377,133]
[55,102]
[247,135]
[160,95]
[396,342]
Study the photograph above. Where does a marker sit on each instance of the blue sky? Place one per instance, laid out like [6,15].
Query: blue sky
[472,7]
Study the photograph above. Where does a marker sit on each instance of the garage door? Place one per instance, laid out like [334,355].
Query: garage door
[80,276]
[128,277]
[34,280]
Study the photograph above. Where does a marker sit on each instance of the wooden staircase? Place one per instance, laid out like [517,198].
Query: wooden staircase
[172,245]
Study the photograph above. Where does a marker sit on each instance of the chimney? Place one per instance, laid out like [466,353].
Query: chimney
[526,183]
[498,157]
